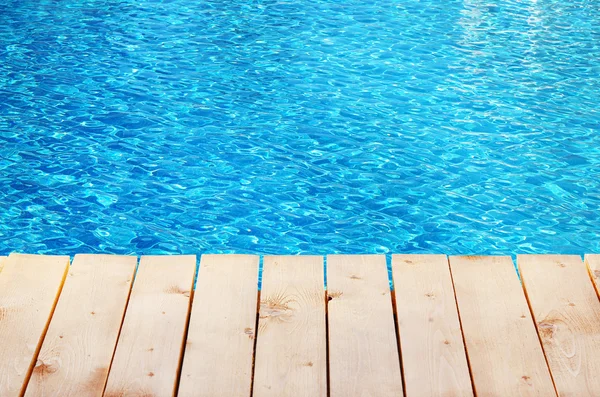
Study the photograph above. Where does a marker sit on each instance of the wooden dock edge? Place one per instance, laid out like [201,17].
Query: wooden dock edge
[400,316]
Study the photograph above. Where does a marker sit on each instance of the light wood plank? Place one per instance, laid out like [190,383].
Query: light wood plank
[29,288]
[82,336]
[220,341]
[363,354]
[2,258]
[433,354]
[505,355]
[291,349]
[593,265]
[567,314]
[149,350]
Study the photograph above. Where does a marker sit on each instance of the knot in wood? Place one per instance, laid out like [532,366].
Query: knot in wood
[42,368]
[275,308]
[546,329]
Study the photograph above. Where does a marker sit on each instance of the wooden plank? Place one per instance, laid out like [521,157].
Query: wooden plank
[567,314]
[149,350]
[291,351]
[82,336]
[29,288]
[363,354]
[505,355]
[593,265]
[220,342]
[434,361]
[2,258]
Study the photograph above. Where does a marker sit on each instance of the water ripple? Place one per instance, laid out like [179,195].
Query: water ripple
[299,127]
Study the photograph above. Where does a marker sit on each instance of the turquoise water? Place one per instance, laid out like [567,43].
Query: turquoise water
[299,127]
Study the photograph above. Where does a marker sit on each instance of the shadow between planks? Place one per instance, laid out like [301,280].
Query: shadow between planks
[457,326]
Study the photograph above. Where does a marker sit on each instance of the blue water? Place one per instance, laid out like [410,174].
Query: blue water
[321,126]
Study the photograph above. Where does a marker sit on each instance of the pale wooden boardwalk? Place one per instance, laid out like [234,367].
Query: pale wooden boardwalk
[459,326]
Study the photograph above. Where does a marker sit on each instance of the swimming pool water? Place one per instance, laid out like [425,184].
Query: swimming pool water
[322,126]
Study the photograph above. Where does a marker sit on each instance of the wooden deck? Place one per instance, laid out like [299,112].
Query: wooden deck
[458,326]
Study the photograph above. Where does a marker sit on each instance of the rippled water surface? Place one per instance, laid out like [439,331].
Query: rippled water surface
[300,126]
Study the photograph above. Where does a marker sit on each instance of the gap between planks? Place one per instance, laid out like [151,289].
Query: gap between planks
[148,357]
[501,341]
[592,262]
[430,335]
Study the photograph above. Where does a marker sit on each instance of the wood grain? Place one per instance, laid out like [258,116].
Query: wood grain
[149,350]
[433,354]
[80,342]
[566,310]
[505,355]
[363,354]
[220,341]
[2,258]
[291,349]
[593,264]
[29,288]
